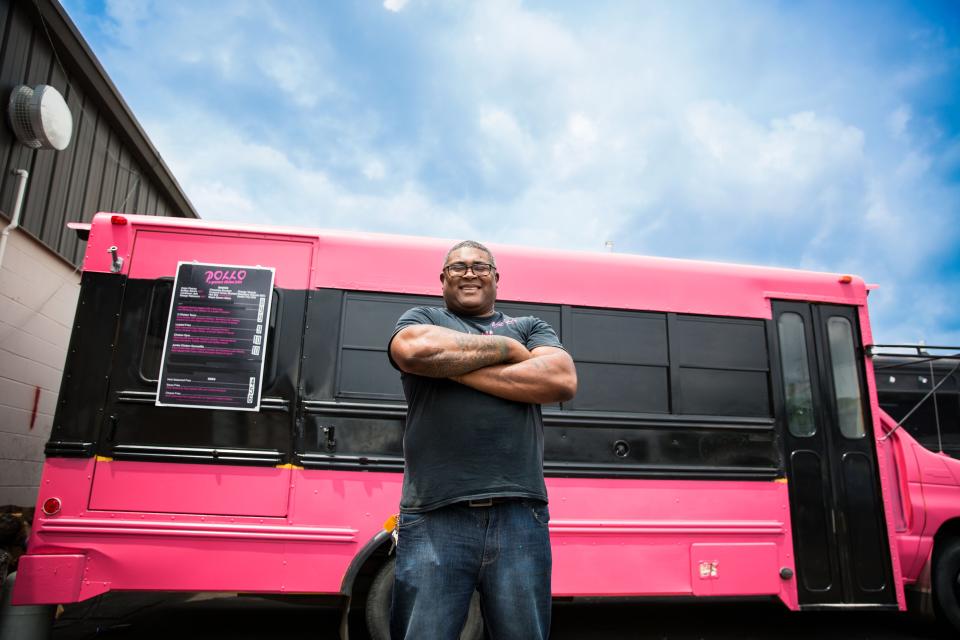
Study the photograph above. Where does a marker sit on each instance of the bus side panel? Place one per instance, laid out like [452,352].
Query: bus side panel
[670,537]
[909,512]
[610,538]
[935,492]
[68,480]
[157,254]
[333,516]
[190,488]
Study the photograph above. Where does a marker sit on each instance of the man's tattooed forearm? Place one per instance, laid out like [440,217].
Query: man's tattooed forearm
[486,346]
[472,352]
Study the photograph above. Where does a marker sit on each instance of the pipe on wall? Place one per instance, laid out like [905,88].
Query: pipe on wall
[22,176]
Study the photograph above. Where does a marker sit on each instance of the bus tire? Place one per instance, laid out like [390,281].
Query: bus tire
[946,584]
[378,607]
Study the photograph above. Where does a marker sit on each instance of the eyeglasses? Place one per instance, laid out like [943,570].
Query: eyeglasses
[479,269]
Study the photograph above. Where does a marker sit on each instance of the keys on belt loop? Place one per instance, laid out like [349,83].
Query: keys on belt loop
[484,502]
[392,526]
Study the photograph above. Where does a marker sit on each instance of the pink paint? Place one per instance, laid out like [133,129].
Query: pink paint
[641,539]
[735,569]
[308,549]
[50,579]
[933,499]
[886,468]
[190,488]
[337,259]
[161,242]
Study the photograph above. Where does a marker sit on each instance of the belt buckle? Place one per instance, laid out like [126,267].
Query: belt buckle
[485,502]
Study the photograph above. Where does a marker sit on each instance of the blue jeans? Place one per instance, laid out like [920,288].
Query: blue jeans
[502,551]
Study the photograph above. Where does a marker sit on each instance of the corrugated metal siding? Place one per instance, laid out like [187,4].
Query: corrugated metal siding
[97,172]
[110,165]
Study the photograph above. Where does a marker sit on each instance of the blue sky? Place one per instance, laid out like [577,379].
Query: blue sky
[815,135]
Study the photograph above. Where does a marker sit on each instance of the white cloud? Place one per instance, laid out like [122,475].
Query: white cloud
[294,70]
[231,177]
[374,170]
[505,147]
[575,148]
[898,120]
[127,13]
[913,166]
[741,166]
[226,201]
[679,130]
[395,5]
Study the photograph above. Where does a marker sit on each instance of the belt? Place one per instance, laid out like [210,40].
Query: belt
[487,502]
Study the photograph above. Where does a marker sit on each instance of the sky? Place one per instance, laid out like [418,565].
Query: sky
[810,135]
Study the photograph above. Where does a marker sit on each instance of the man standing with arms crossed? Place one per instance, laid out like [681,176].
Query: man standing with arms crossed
[473,514]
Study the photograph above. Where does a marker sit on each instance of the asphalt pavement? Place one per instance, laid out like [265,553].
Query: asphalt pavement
[207,617]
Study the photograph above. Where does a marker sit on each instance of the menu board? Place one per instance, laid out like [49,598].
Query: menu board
[213,352]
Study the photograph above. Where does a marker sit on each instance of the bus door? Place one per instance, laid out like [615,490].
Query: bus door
[839,527]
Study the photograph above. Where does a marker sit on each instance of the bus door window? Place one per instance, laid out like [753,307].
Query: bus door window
[846,382]
[796,375]
[154,329]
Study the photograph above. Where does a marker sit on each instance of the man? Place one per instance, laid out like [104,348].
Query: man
[473,514]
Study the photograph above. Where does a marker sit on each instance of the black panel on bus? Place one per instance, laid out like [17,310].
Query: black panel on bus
[661,395]
[133,428]
[629,416]
[83,388]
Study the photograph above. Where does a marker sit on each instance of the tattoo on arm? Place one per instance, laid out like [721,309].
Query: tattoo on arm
[472,352]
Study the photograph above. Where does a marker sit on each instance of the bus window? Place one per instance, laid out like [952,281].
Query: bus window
[846,384]
[622,362]
[156,325]
[796,375]
[721,365]
[367,322]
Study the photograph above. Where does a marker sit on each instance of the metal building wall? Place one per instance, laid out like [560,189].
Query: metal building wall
[101,170]
[110,165]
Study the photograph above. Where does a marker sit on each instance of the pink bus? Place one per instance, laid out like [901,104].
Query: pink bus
[725,441]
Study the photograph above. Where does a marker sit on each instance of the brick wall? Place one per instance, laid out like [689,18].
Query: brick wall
[38,298]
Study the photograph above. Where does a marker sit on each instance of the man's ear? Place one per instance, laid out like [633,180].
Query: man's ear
[496,276]
[441,277]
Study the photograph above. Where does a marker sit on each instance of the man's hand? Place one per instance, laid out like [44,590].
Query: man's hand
[547,376]
[438,352]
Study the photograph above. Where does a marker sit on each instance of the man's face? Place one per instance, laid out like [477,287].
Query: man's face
[469,294]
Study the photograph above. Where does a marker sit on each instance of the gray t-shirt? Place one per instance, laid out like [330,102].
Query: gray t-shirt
[463,444]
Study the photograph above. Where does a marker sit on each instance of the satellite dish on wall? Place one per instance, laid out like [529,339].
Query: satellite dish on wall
[40,117]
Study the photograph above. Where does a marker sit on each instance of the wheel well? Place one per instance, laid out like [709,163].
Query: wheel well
[949,530]
[364,568]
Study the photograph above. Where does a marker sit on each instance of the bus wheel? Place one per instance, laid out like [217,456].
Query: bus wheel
[946,584]
[378,608]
